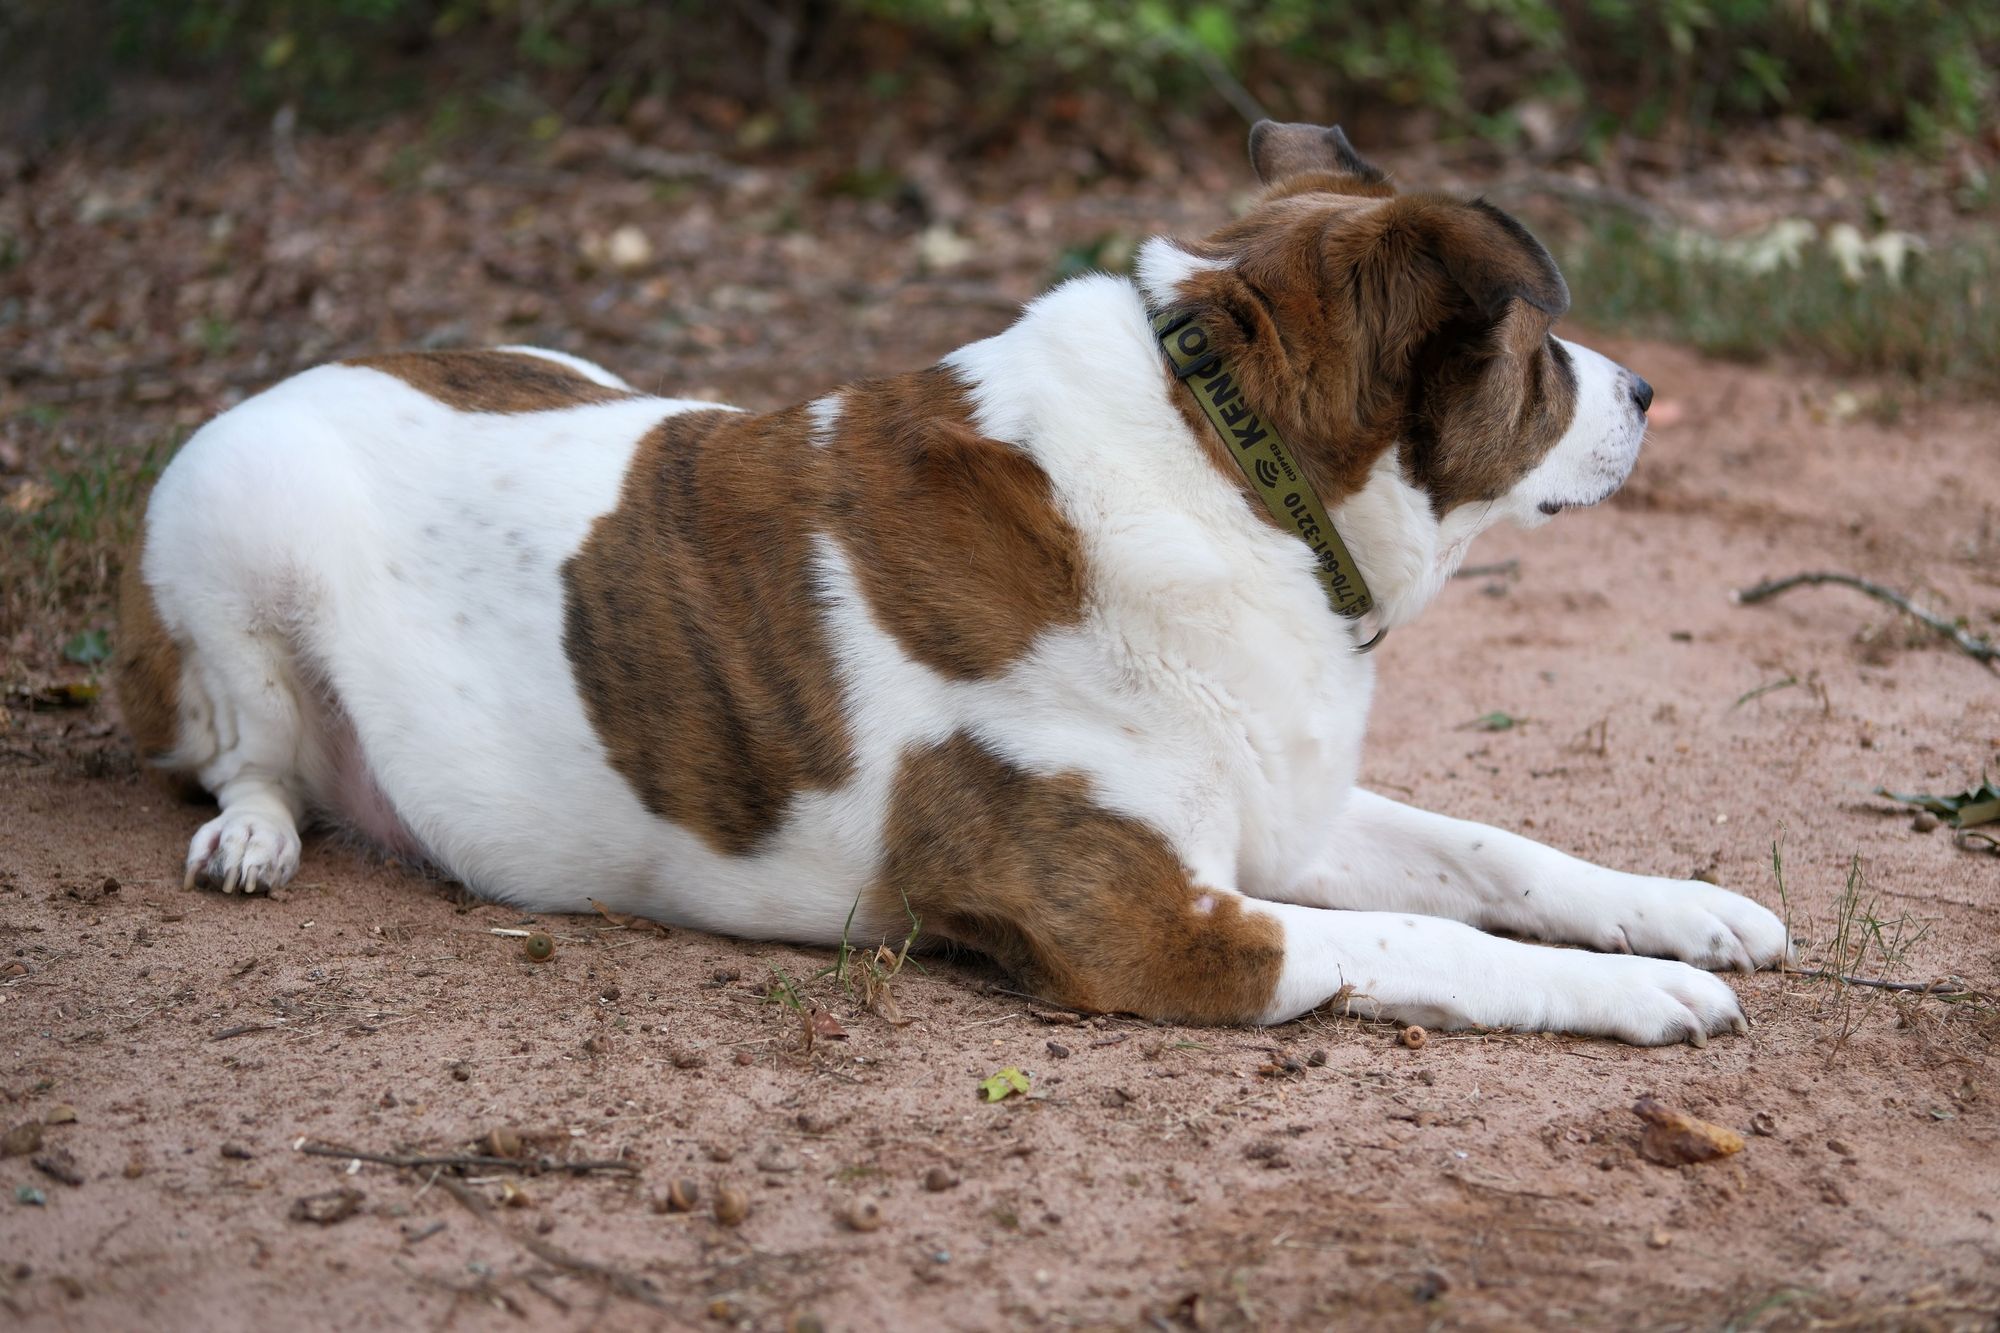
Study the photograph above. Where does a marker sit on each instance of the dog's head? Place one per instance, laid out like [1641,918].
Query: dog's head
[1373,326]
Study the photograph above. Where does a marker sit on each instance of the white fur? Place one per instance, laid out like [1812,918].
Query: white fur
[1595,454]
[366,585]
[825,416]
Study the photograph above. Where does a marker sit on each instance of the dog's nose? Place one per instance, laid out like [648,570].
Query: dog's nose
[1642,394]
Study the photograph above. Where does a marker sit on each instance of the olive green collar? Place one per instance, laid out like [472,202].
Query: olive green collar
[1266,463]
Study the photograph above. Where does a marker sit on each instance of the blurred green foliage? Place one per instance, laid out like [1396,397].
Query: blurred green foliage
[1935,322]
[1908,69]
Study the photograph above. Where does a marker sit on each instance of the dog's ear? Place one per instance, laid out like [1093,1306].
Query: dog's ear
[1487,256]
[1279,151]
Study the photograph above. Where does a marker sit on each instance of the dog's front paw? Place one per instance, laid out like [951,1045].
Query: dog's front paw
[1649,1002]
[1695,922]
[243,850]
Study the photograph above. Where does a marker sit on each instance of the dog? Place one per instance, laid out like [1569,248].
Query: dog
[1056,648]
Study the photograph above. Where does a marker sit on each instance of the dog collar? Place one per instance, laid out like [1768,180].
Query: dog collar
[1266,462]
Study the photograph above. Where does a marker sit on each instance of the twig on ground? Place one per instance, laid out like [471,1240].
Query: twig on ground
[1947,902]
[1506,568]
[1512,1191]
[615,1280]
[243,1030]
[1946,986]
[1226,86]
[1748,695]
[471,1161]
[646,160]
[1623,201]
[1973,646]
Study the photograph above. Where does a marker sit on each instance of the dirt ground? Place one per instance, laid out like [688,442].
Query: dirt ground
[186,1048]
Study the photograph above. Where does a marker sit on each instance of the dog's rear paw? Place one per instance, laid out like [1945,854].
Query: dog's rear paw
[243,851]
[1697,923]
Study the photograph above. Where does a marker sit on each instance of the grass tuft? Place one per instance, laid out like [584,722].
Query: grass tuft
[62,537]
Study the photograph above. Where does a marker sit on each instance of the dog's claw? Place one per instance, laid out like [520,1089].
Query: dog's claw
[1698,1037]
[1741,1024]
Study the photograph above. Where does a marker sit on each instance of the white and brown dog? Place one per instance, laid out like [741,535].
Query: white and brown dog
[1024,643]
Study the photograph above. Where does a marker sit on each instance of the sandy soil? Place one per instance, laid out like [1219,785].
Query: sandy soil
[1157,1176]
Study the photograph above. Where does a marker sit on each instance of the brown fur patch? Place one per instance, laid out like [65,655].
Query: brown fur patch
[492,381]
[954,536]
[1355,318]
[146,669]
[1086,907]
[694,634]
[1489,413]
[693,623]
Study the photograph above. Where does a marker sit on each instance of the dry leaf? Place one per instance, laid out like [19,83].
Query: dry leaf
[328,1208]
[878,999]
[30,496]
[826,1025]
[627,920]
[1675,1138]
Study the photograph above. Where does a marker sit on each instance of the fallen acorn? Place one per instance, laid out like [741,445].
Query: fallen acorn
[682,1196]
[731,1205]
[1674,1138]
[863,1215]
[539,945]
[1413,1037]
[503,1142]
[939,1179]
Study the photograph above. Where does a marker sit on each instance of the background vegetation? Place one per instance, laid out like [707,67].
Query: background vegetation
[1897,69]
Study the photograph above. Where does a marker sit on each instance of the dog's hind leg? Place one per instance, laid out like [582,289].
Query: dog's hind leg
[1394,857]
[208,669]
[254,707]
[239,728]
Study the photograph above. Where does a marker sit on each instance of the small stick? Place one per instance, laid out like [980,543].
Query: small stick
[1748,695]
[1509,568]
[1879,983]
[469,1161]
[618,1282]
[1978,649]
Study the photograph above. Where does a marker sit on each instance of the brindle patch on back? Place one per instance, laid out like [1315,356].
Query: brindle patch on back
[493,381]
[955,537]
[693,623]
[694,633]
[1086,907]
